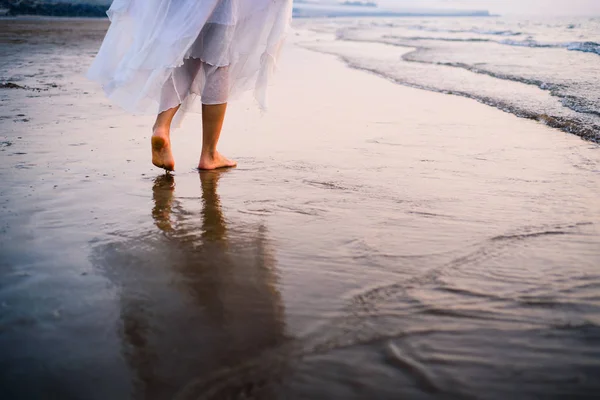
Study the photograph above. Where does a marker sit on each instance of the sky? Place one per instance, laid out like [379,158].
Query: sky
[545,7]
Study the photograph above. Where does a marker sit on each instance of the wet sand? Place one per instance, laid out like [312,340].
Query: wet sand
[376,241]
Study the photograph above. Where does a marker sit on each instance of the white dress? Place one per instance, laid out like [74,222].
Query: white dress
[158,54]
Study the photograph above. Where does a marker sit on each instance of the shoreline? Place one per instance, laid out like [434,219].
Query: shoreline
[563,125]
[573,124]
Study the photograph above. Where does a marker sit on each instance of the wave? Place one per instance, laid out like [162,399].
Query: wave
[586,47]
[528,43]
[572,125]
[478,31]
[572,102]
[443,39]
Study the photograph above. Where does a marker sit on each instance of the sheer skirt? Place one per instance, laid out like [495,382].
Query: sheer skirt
[158,54]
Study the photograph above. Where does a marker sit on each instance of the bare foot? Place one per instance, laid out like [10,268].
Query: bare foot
[161,150]
[215,161]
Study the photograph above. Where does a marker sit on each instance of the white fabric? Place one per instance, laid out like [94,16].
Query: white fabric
[158,54]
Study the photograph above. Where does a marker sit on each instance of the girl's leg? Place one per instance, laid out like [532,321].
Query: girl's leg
[212,123]
[214,105]
[161,140]
[174,91]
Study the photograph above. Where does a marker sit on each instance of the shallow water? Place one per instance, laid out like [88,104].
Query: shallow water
[394,257]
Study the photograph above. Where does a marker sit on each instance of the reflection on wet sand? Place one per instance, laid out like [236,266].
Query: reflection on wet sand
[197,298]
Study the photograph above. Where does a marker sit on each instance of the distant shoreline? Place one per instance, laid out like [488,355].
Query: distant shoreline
[318,10]
[301,10]
[29,17]
[52,10]
[397,15]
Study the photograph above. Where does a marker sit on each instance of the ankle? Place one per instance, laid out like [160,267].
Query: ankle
[208,154]
[160,130]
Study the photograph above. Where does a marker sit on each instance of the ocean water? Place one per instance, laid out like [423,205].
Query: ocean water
[542,69]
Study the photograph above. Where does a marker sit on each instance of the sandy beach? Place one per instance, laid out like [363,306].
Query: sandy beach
[375,241]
